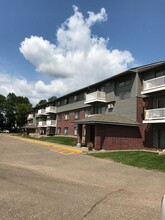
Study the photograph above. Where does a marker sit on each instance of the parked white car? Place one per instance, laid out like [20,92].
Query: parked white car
[163,208]
[5,131]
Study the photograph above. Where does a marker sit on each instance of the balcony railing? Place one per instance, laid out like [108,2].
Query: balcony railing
[42,124]
[97,96]
[30,116]
[153,85]
[51,123]
[155,115]
[41,112]
[50,109]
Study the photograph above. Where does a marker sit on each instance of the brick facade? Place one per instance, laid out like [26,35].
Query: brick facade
[112,137]
[62,123]
[145,129]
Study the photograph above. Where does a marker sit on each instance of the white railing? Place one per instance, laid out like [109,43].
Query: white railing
[42,124]
[154,83]
[41,112]
[30,116]
[50,109]
[51,123]
[153,114]
[97,96]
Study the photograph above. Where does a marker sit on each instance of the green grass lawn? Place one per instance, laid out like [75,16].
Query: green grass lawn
[143,159]
[69,141]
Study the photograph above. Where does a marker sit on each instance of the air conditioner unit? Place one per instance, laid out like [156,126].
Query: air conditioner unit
[110,105]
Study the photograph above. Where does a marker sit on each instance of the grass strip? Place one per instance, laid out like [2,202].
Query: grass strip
[69,141]
[142,159]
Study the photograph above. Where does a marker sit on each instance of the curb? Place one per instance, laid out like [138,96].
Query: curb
[49,144]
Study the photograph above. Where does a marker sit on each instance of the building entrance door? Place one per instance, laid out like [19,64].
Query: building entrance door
[162,138]
[92,136]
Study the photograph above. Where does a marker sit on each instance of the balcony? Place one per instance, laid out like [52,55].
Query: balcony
[155,115]
[30,117]
[153,85]
[51,123]
[42,124]
[50,109]
[97,96]
[41,112]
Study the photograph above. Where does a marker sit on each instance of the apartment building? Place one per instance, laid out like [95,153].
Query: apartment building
[125,111]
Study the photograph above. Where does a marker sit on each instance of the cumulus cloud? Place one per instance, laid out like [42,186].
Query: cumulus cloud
[77,54]
[35,91]
[77,59]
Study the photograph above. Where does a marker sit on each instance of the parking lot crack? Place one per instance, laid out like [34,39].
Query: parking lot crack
[101,200]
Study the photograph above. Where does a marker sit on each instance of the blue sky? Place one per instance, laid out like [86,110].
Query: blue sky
[123,33]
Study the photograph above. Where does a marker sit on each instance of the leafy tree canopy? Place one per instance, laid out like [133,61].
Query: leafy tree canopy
[42,102]
[52,98]
[13,111]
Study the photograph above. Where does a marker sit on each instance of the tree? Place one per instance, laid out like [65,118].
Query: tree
[21,113]
[52,98]
[42,102]
[10,110]
[16,111]
[2,112]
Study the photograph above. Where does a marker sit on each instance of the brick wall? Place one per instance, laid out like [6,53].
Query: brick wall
[62,123]
[145,129]
[112,137]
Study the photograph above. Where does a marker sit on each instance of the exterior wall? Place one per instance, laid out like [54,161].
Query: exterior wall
[113,137]
[145,129]
[126,108]
[62,123]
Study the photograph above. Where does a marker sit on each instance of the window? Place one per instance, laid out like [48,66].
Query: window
[58,130]
[75,131]
[124,82]
[124,95]
[75,98]
[101,89]
[66,130]
[65,101]
[159,73]
[161,103]
[101,110]
[58,103]
[87,112]
[77,115]
[66,116]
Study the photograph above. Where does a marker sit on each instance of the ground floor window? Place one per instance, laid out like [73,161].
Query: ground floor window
[66,130]
[58,130]
[75,131]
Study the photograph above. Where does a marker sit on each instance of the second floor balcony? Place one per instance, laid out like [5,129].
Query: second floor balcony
[30,117]
[155,116]
[42,124]
[41,112]
[97,96]
[153,85]
[50,109]
[51,123]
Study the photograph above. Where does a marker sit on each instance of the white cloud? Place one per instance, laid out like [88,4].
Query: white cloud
[35,91]
[77,59]
[77,55]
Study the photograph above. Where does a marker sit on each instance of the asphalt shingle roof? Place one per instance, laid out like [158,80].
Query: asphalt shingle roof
[107,119]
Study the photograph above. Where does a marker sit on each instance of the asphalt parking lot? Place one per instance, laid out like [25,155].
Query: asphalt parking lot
[40,182]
